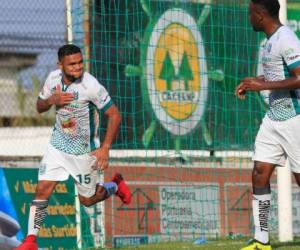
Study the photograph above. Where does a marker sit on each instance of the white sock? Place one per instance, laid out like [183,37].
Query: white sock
[37,214]
[261,211]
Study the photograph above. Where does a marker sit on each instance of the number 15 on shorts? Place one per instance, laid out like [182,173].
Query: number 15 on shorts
[84,178]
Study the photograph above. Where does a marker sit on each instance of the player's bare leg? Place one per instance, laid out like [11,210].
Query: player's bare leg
[44,189]
[261,174]
[99,195]
[117,186]
[297,178]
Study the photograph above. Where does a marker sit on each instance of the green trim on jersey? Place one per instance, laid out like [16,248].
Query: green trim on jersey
[107,106]
[294,98]
[92,109]
[295,102]
[286,70]
[294,65]
[292,92]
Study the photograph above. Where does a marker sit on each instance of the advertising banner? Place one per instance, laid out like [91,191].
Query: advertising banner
[17,188]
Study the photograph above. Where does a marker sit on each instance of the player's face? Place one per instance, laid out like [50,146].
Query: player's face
[255,16]
[72,66]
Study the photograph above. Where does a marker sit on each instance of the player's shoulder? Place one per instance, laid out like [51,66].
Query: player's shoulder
[89,80]
[87,77]
[285,33]
[55,75]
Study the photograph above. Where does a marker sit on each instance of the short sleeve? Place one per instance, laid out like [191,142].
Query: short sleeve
[45,93]
[291,51]
[100,97]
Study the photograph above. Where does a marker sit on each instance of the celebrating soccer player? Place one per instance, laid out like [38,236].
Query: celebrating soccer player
[72,150]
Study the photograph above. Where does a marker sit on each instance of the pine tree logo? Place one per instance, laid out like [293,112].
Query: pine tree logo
[173,72]
[177,87]
[168,72]
[176,72]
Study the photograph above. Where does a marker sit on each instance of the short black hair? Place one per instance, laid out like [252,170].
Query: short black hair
[66,50]
[271,6]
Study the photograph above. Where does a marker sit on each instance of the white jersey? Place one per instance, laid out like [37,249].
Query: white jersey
[74,129]
[281,53]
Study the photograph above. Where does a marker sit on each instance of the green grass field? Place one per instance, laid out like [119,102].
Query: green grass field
[210,245]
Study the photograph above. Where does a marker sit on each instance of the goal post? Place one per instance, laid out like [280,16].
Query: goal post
[284,178]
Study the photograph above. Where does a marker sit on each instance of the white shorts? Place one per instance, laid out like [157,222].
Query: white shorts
[278,140]
[58,166]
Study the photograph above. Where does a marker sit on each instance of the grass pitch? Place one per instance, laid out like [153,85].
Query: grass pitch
[210,245]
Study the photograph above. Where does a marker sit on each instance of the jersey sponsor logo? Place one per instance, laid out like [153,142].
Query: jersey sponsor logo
[69,126]
[176,72]
[291,58]
[73,105]
[67,122]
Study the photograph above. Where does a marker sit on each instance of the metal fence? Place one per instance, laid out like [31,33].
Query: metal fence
[30,33]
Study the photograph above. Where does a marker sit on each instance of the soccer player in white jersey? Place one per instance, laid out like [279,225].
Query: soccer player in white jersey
[72,150]
[278,137]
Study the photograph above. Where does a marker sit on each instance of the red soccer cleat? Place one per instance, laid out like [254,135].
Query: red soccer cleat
[28,244]
[123,190]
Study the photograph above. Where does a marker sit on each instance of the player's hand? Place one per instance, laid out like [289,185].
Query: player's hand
[240,92]
[102,157]
[249,84]
[60,98]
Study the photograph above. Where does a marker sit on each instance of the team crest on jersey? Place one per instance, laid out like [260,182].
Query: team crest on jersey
[76,95]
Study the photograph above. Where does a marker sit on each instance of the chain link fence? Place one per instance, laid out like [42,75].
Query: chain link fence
[30,33]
